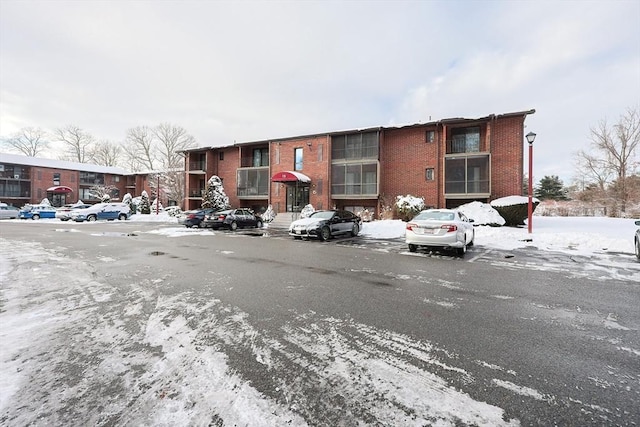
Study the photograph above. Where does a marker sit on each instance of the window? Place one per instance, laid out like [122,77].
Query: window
[429,174]
[431,136]
[467,175]
[464,140]
[298,159]
[56,179]
[252,182]
[356,146]
[116,178]
[260,157]
[354,179]
[91,178]
[221,155]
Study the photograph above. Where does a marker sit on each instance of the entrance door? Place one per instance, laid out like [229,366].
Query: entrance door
[297,197]
[57,199]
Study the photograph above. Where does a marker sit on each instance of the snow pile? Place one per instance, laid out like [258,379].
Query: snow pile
[482,214]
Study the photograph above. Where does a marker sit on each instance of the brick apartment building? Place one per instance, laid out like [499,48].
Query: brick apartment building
[448,163]
[25,179]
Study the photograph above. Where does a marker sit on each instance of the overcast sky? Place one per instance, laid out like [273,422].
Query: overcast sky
[253,70]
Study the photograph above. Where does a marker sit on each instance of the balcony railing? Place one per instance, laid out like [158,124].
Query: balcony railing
[196,193]
[199,165]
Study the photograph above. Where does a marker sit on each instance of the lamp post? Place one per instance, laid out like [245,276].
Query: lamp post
[530,138]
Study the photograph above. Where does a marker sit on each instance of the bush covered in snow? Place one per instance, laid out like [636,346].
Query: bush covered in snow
[133,208]
[268,215]
[514,209]
[482,214]
[408,206]
[307,211]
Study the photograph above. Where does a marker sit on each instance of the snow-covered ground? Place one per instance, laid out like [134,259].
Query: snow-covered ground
[575,235]
[153,347]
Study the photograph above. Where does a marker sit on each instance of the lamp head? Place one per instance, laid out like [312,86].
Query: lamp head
[530,137]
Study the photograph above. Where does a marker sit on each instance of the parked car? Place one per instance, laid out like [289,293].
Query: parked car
[37,211]
[233,219]
[173,210]
[326,224]
[108,211]
[447,229]
[194,217]
[7,211]
[637,240]
[63,213]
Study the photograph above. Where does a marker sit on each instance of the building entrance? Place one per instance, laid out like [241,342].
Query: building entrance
[297,196]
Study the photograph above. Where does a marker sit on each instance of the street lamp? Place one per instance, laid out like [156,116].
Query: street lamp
[530,138]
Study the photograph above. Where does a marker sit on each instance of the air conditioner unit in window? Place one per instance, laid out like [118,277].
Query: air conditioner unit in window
[17,176]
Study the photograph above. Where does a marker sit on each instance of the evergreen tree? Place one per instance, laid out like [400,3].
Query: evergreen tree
[129,201]
[550,188]
[214,195]
[145,205]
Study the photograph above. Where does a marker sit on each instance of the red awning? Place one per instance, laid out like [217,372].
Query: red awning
[289,176]
[59,189]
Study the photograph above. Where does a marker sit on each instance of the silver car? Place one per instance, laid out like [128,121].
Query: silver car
[447,229]
[7,211]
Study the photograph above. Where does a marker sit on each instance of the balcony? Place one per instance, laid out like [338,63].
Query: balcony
[197,166]
[253,183]
[196,194]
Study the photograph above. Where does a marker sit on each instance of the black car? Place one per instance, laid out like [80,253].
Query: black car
[233,219]
[326,224]
[637,240]
[195,217]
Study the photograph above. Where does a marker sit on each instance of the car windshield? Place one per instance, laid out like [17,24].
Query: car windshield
[322,215]
[435,215]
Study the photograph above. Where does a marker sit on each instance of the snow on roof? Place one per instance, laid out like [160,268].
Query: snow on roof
[59,164]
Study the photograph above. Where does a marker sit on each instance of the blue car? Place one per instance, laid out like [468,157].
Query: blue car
[36,212]
[108,211]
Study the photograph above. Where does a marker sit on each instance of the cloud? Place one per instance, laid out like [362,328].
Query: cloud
[244,71]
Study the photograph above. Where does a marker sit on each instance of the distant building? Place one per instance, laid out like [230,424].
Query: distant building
[25,179]
[448,163]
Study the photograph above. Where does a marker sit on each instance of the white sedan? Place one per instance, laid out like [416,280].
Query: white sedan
[447,229]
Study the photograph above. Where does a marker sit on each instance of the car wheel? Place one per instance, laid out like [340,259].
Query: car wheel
[122,217]
[355,230]
[638,248]
[325,233]
[461,251]
[473,236]
[35,217]
[91,218]
[412,248]
[188,225]
[259,224]
[233,226]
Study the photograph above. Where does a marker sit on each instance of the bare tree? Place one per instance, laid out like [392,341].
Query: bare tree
[106,153]
[29,141]
[171,141]
[139,149]
[78,144]
[615,155]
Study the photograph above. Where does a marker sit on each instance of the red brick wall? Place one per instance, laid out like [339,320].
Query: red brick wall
[404,157]
[507,145]
[227,171]
[315,164]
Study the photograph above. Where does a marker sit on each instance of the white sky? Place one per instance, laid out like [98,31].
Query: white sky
[244,71]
